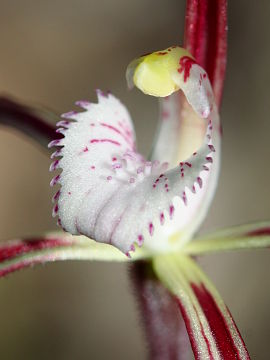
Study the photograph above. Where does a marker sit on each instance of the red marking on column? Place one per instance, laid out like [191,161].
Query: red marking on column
[186,63]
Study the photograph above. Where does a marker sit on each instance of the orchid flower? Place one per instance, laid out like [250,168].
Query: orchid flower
[118,206]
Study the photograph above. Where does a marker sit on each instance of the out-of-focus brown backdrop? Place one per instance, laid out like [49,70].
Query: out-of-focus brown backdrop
[56,52]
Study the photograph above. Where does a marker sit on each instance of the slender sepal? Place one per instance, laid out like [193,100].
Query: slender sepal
[212,331]
[244,237]
[18,254]
[38,124]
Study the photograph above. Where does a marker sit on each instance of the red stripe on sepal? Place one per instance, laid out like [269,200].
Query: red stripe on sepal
[217,323]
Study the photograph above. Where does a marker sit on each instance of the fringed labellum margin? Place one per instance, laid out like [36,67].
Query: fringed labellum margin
[109,192]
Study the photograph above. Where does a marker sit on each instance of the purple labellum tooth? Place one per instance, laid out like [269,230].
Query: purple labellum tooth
[148,168]
[151,229]
[69,115]
[199,180]
[212,148]
[100,93]
[55,180]
[209,159]
[205,168]
[109,178]
[132,180]
[60,131]
[64,123]
[140,240]
[132,248]
[184,197]
[193,189]
[55,210]
[162,218]
[83,104]
[56,154]
[54,165]
[59,223]
[117,166]
[128,255]
[56,196]
[56,142]
[171,211]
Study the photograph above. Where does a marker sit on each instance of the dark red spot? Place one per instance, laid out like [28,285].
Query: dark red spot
[162,53]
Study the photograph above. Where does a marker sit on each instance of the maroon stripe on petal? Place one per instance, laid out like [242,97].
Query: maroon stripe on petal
[217,323]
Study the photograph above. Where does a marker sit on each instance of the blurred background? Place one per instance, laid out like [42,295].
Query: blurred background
[56,52]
